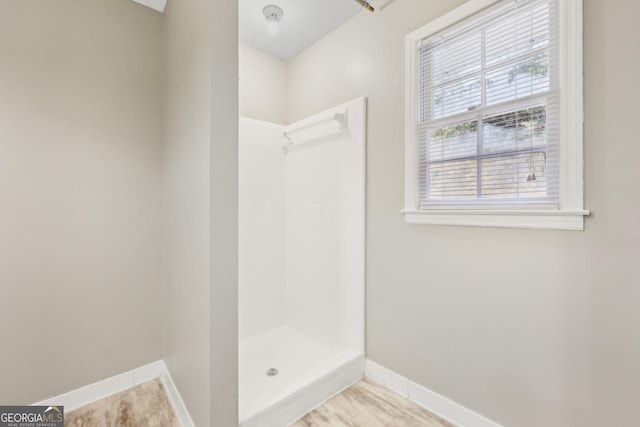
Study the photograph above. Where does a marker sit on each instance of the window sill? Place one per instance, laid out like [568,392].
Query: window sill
[552,220]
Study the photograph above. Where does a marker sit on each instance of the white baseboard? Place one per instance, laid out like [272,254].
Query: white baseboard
[430,400]
[101,389]
[175,398]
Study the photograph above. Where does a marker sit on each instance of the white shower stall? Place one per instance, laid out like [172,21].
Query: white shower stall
[301,265]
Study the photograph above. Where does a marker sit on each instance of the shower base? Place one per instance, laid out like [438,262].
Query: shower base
[309,371]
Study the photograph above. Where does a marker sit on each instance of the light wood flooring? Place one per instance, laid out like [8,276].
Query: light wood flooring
[143,405]
[369,404]
[364,404]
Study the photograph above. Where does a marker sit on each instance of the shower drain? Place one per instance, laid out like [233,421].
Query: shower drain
[272,372]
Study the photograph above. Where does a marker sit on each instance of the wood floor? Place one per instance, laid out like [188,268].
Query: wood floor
[364,404]
[369,404]
[143,405]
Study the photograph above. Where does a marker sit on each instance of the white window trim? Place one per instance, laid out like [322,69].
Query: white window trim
[570,215]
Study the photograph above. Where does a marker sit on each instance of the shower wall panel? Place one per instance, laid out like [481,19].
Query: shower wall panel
[262,227]
[325,224]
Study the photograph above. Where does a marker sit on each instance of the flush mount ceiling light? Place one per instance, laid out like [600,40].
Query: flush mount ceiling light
[273,15]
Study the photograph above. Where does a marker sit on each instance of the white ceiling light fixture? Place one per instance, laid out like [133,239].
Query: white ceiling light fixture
[273,15]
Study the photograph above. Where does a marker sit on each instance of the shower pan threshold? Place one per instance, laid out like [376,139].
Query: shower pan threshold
[309,371]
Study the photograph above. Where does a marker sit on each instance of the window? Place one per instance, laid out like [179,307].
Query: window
[494,116]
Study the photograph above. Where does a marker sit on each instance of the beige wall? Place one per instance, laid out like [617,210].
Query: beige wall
[223,344]
[87,189]
[263,81]
[200,207]
[530,328]
[185,207]
[80,131]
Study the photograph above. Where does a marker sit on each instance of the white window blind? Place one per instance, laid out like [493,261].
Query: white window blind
[488,116]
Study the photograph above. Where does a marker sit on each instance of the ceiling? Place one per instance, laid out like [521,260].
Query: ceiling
[158,5]
[304,22]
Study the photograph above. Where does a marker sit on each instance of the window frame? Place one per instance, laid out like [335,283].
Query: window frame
[570,213]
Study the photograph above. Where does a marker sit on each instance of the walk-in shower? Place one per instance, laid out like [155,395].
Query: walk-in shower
[302,201]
